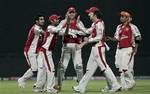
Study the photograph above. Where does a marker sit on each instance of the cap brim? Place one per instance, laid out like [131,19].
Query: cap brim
[72,11]
[58,17]
[124,14]
[88,11]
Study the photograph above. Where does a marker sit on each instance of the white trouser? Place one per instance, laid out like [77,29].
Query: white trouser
[125,62]
[46,66]
[122,58]
[41,75]
[97,59]
[32,62]
[69,50]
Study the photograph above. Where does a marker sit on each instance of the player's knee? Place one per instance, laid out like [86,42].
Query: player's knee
[78,67]
[102,72]
[34,73]
[124,70]
[40,68]
[62,69]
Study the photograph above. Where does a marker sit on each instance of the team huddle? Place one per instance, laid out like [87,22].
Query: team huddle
[38,51]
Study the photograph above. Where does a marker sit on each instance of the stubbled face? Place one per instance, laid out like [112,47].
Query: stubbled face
[41,21]
[55,21]
[91,15]
[124,19]
[72,15]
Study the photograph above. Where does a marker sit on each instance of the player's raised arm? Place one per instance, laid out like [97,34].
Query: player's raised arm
[53,28]
[83,29]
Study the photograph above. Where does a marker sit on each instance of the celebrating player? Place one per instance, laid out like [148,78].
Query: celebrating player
[69,48]
[45,56]
[97,56]
[31,49]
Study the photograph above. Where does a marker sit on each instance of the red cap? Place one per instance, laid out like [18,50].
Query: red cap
[92,9]
[71,9]
[54,16]
[125,13]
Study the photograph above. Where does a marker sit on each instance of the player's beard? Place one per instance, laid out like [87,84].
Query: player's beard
[41,24]
[56,23]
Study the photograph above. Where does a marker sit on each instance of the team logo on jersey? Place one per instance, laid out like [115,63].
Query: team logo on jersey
[123,37]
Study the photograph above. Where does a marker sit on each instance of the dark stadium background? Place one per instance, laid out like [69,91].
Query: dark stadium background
[16,18]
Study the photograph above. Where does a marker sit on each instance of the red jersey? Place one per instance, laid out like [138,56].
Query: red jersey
[33,40]
[125,37]
[69,38]
[50,38]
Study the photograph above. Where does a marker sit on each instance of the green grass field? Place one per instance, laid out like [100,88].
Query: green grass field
[94,86]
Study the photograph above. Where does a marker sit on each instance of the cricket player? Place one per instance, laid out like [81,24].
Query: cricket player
[31,49]
[128,37]
[45,56]
[97,56]
[69,48]
[45,60]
